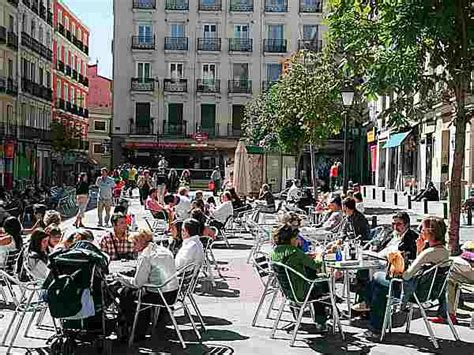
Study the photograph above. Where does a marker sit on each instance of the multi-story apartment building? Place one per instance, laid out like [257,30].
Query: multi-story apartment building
[183,71]
[35,94]
[70,82]
[100,117]
[8,88]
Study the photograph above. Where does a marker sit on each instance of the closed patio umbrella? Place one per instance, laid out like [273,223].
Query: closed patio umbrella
[241,170]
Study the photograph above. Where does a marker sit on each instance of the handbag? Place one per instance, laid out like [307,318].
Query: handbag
[212,185]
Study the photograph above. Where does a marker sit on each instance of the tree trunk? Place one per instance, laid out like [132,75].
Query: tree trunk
[456,177]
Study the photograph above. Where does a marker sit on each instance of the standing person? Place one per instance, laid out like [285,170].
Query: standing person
[132,179]
[333,174]
[82,198]
[145,183]
[124,176]
[162,164]
[185,179]
[160,183]
[216,178]
[173,181]
[105,196]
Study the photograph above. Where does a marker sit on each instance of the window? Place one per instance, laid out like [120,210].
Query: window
[240,71]
[33,28]
[69,58]
[175,117]
[11,70]
[58,89]
[66,23]
[273,72]
[237,118]
[210,31]
[208,119]
[58,48]
[98,148]
[73,95]
[73,29]
[241,31]
[143,71]
[33,72]
[25,68]
[176,70]
[79,34]
[66,93]
[177,30]
[142,114]
[310,32]
[11,24]
[48,80]
[40,34]
[40,76]
[60,17]
[275,31]
[144,33]
[100,126]
[24,24]
[48,38]
[209,71]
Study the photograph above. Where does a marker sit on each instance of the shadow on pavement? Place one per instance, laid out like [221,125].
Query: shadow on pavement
[233,246]
[220,290]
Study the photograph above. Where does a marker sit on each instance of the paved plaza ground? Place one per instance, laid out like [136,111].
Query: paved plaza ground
[228,310]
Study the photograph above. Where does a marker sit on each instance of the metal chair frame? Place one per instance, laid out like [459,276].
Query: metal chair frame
[301,306]
[10,267]
[423,306]
[210,260]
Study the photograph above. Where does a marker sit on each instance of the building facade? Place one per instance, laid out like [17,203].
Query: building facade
[71,85]
[100,117]
[183,71]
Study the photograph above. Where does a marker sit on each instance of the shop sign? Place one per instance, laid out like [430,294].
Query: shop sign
[200,136]
[371,135]
[373,158]
[9,150]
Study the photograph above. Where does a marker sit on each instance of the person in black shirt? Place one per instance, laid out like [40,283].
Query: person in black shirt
[267,196]
[354,224]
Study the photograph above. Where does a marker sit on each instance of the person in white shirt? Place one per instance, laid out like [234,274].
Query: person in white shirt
[155,265]
[359,202]
[294,192]
[184,205]
[225,209]
[192,251]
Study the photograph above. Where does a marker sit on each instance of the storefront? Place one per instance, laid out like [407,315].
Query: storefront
[7,155]
[372,153]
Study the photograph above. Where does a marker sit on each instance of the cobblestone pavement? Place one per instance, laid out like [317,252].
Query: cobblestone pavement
[228,310]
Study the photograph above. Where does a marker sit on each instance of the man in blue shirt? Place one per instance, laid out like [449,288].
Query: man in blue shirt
[105,196]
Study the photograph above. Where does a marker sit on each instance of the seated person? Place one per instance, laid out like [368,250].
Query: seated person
[154,267]
[236,201]
[288,253]
[210,205]
[462,271]
[116,244]
[354,224]
[152,204]
[37,255]
[51,217]
[267,196]
[430,193]
[205,230]
[170,201]
[199,195]
[184,203]
[306,200]
[433,233]
[332,221]
[359,202]
[294,192]
[10,238]
[191,250]
[293,220]
[39,211]
[224,211]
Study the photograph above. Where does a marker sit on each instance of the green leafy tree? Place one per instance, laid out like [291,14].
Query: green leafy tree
[64,138]
[422,52]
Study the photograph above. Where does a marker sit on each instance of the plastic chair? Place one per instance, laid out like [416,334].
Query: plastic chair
[186,276]
[261,264]
[283,275]
[431,286]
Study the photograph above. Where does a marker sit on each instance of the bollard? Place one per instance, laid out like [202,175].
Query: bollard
[445,210]
[374,195]
[409,202]
[383,196]
[469,216]
[425,206]
[395,199]
[374,221]
[365,191]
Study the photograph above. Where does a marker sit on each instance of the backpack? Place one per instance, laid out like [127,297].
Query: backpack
[64,295]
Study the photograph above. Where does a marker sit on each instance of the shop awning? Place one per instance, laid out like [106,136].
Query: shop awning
[396,139]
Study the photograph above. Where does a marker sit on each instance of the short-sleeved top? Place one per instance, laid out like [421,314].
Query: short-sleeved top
[106,187]
[132,174]
[116,249]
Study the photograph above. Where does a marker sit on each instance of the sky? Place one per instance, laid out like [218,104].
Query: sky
[97,15]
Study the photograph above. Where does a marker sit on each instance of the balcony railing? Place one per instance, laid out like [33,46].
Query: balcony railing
[208,85]
[13,2]
[142,130]
[34,6]
[240,45]
[241,86]
[143,84]
[276,7]
[75,74]
[274,45]
[174,130]
[206,5]
[60,104]
[209,44]
[61,66]
[68,70]
[144,4]
[12,87]
[211,132]
[3,35]
[178,85]
[83,80]
[177,5]
[266,85]
[233,131]
[27,132]
[143,42]
[310,45]
[241,5]
[61,29]
[50,18]
[12,40]
[305,7]
[176,43]
[42,12]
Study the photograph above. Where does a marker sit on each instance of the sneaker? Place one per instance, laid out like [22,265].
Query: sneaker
[361,307]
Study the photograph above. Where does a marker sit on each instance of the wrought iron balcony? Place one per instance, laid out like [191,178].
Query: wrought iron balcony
[12,40]
[75,74]
[266,85]
[61,66]
[12,87]
[60,104]
[177,5]
[233,131]
[240,45]
[274,45]
[174,130]
[68,70]
[211,132]
[61,29]
[310,45]
[207,5]
[144,4]
[178,85]
[143,42]
[86,49]
[3,35]
[50,18]
[69,35]
[241,86]
[306,7]
[176,43]
[208,85]
[143,129]
[143,84]
[276,7]
[209,44]
[241,5]
[42,12]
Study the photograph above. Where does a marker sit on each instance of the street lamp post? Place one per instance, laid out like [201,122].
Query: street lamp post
[347,94]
